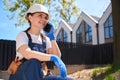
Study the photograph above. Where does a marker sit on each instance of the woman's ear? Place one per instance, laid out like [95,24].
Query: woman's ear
[29,17]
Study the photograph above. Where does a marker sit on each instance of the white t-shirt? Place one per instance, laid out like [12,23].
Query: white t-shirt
[22,39]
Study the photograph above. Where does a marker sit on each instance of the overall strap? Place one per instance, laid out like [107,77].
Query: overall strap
[28,35]
[29,38]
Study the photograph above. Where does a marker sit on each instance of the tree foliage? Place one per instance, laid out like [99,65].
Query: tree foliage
[67,9]
[59,9]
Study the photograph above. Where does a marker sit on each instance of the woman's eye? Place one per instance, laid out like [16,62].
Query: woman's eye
[40,15]
[46,18]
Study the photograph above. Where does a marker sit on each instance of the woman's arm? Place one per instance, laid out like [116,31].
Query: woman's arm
[55,48]
[28,53]
[49,31]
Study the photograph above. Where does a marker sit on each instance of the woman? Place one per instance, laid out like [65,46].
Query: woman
[33,48]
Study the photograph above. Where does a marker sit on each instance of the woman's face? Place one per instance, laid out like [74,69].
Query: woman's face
[39,19]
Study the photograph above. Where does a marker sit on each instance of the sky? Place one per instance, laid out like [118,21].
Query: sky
[8,31]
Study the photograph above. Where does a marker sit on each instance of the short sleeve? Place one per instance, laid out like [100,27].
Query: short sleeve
[21,39]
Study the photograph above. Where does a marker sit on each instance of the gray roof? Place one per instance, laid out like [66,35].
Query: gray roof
[96,18]
[71,25]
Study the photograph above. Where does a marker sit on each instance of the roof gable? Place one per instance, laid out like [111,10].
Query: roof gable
[87,18]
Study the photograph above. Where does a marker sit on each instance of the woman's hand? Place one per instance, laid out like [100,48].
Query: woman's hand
[49,31]
[59,63]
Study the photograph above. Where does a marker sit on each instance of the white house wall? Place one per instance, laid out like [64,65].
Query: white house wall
[101,23]
[89,20]
[66,27]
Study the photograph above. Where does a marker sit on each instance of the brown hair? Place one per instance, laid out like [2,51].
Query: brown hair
[28,20]
[27,17]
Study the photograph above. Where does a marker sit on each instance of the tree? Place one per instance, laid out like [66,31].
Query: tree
[59,9]
[116,30]
[67,9]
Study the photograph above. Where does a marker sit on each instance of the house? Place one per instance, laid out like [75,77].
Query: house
[106,26]
[88,29]
[84,30]
[63,32]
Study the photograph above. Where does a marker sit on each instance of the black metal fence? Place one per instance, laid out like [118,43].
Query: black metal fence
[86,54]
[7,53]
[71,53]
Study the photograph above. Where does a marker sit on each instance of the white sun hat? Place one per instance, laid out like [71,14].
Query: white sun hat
[37,8]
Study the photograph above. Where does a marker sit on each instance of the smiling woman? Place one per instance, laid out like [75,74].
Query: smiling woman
[35,48]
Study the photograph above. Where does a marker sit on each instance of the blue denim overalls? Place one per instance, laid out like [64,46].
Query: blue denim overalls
[32,69]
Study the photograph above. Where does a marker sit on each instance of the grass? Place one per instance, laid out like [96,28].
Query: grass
[100,70]
[107,72]
[110,77]
[94,73]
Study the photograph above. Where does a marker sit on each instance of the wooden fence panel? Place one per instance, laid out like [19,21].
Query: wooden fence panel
[71,53]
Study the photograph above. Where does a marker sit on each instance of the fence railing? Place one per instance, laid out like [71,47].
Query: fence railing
[72,53]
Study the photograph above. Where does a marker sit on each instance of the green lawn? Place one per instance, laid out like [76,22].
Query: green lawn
[108,72]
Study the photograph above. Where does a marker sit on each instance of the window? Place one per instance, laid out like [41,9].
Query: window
[88,33]
[79,35]
[62,36]
[65,36]
[108,28]
[59,37]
